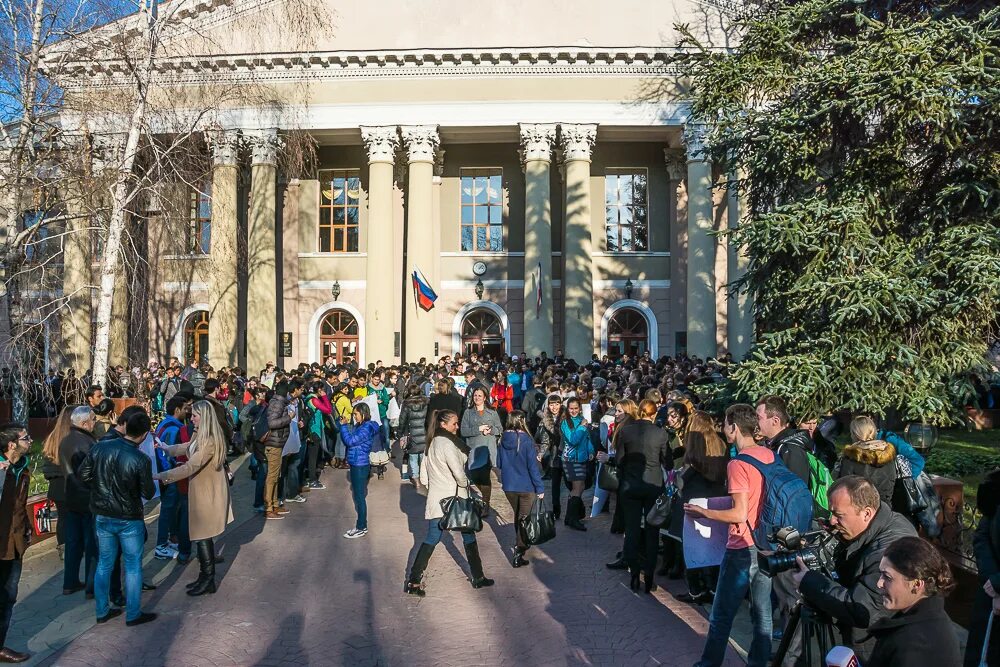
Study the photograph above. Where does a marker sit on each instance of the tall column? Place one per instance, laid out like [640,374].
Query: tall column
[577,142]
[740,304]
[75,321]
[381,144]
[677,172]
[701,326]
[421,143]
[223,286]
[536,144]
[262,307]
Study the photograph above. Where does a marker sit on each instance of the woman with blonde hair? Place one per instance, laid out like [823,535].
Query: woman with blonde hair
[869,457]
[54,472]
[209,503]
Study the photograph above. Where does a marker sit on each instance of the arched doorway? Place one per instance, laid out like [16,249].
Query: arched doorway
[338,336]
[627,333]
[482,333]
[196,337]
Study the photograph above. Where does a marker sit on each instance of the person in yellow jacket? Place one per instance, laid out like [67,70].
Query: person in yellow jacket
[342,409]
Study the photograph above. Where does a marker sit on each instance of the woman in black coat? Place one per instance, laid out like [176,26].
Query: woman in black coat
[914,581]
[413,427]
[442,399]
[641,452]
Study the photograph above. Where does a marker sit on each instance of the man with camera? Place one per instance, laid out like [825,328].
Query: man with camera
[863,527]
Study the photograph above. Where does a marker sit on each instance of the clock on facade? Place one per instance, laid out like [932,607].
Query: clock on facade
[479,268]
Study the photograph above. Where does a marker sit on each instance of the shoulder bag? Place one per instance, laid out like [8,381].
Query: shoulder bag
[462,514]
[538,526]
[906,495]
[659,514]
[607,476]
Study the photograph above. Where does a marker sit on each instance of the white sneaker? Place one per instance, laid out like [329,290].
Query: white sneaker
[164,553]
[354,532]
[297,499]
[173,545]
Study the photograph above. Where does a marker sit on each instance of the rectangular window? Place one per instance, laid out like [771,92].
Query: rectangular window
[482,210]
[199,241]
[625,206]
[339,200]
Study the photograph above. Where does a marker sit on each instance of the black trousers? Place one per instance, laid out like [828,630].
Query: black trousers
[637,498]
[312,457]
[10,576]
[556,475]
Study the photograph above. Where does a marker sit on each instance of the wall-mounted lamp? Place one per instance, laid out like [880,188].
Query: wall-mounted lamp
[628,288]
[480,288]
[335,290]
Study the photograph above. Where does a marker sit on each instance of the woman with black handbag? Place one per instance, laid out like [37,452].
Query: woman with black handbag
[520,476]
[443,473]
[641,451]
[548,439]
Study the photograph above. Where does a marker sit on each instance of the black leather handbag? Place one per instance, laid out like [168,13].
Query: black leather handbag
[905,495]
[659,514]
[462,514]
[607,476]
[538,526]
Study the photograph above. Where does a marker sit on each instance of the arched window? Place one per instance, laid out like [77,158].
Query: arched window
[482,334]
[338,336]
[196,337]
[627,334]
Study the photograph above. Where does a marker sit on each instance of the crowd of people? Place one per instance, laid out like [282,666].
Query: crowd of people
[462,424]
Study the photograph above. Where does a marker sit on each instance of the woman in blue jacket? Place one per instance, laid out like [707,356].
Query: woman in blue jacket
[577,451]
[517,459]
[359,445]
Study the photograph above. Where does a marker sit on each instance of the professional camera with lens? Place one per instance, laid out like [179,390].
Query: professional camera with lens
[814,548]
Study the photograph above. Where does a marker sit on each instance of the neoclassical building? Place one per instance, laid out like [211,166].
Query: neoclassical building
[533,162]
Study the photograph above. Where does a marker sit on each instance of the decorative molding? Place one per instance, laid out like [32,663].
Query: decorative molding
[695,141]
[178,341]
[265,145]
[381,143]
[636,284]
[456,325]
[421,142]
[652,329]
[184,287]
[636,253]
[225,146]
[577,141]
[676,163]
[488,284]
[537,140]
[479,253]
[186,258]
[439,164]
[106,150]
[331,255]
[328,284]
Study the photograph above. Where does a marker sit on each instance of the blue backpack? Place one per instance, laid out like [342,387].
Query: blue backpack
[786,501]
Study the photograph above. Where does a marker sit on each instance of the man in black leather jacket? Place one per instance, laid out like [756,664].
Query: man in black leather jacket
[790,444]
[119,477]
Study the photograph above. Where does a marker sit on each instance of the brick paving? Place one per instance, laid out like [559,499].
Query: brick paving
[294,592]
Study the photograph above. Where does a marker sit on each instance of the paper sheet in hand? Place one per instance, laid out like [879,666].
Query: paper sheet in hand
[460,384]
[147,448]
[705,540]
[585,411]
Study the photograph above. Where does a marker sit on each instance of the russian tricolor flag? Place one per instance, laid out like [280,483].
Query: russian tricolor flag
[425,295]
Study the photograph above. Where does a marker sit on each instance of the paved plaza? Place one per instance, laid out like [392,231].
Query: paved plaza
[294,592]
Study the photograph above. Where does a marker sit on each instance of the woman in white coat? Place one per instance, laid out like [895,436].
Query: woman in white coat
[443,473]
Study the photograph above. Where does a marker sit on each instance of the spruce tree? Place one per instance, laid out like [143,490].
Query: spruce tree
[867,141]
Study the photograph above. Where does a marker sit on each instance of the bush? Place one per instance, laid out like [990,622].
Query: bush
[958,464]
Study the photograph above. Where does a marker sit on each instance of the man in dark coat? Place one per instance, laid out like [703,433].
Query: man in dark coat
[864,527]
[78,522]
[15,526]
[790,444]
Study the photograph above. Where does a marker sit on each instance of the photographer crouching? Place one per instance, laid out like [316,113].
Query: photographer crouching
[863,527]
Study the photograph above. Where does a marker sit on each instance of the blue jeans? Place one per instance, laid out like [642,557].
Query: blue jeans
[434,534]
[81,546]
[169,505]
[258,491]
[129,535]
[359,490]
[415,460]
[737,575]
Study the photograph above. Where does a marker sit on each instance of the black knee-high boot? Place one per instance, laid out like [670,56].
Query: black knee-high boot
[479,579]
[413,585]
[574,513]
[206,561]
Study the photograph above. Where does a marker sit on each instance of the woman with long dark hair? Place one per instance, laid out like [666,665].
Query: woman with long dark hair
[520,476]
[481,429]
[548,440]
[443,473]
[576,452]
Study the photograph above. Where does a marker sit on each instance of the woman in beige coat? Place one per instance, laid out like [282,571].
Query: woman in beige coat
[208,491]
[443,473]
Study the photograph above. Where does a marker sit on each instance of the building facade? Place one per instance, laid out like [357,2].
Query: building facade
[553,197]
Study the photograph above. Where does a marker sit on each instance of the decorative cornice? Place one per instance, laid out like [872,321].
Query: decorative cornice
[676,164]
[225,145]
[381,143]
[537,140]
[421,142]
[577,141]
[695,141]
[265,145]
[228,68]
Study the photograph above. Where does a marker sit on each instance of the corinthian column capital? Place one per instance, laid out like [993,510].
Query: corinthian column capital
[577,141]
[537,140]
[381,143]
[695,141]
[421,142]
[106,150]
[225,145]
[676,164]
[265,145]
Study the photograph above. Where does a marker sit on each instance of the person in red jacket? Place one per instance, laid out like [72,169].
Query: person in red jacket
[502,396]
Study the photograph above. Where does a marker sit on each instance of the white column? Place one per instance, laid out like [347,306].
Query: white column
[262,335]
[536,146]
[701,324]
[421,145]
[381,144]
[740,304]
[223,286]
[577,142]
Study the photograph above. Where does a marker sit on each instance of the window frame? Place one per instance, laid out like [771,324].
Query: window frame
[488,173]
[198,243]
[619,205]
[326,222]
